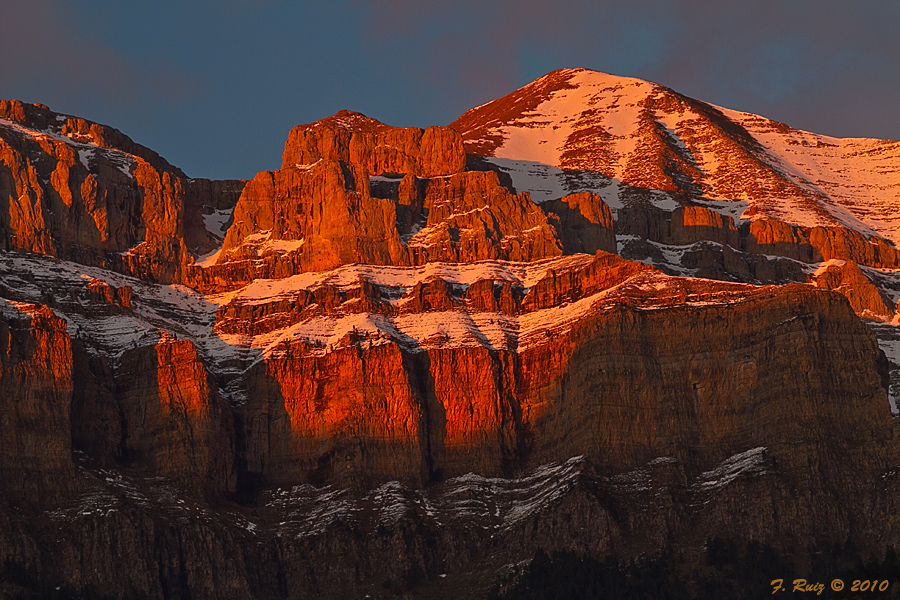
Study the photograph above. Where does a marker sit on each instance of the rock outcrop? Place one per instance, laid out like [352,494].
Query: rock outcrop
[817,244]
[324,214]
[472,217]
[353,190]
[684,225]
[353,138]
[86,192]
[584,223]
[847,279]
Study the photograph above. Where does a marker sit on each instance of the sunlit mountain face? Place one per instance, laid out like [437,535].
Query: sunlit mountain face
[593,334]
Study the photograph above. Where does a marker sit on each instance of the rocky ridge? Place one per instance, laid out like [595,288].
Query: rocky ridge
[635,135]
[83,191]
[677,172]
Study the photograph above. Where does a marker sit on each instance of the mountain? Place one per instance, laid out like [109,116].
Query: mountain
[592,317]
[676,170]
[630,133]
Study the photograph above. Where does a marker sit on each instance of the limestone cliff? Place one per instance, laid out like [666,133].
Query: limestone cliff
[83,191]
[354,138]
[353,190]
[35,400]
[422,410]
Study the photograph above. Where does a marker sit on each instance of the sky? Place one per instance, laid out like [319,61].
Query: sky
[215,85]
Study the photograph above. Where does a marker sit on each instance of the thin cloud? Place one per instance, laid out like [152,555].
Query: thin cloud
[821,65]
[46,53]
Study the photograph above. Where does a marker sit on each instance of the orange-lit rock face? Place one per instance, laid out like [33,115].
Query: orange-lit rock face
[157,412]
[35,396]
[847,279]
[814,244]
[471,217]
[311,214]
[354,138]
[352,190]
[83,191]
[181,376]
[693,223]
[347,416]
[474,388]
[180,429]
[605,357]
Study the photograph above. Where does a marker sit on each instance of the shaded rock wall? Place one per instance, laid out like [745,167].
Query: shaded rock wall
[35,399]
[583,223]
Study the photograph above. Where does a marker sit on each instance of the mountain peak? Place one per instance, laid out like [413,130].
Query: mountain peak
[582,130]
[542,113]
[349,120]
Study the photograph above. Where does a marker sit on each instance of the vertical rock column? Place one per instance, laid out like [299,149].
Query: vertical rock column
[35,398]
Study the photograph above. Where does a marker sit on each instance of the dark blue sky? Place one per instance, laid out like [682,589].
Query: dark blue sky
[215,85]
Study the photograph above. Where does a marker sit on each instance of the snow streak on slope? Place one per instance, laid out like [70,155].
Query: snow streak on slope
[468,501]
[462,326]
[541,136]
[519,273]
[413,330]
[859,177]
[889,342]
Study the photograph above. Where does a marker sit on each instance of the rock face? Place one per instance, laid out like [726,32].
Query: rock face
[684,225]
[817,244]
[162,415]
[353,190]
[36,384]
[471,217]
[689,224]
[351,137]
[394,384]
[848,279]
[325,212]
[490,408]
[584,223]
[82,191]
[209,200]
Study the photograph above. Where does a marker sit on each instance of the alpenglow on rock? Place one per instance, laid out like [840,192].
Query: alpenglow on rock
[594,316]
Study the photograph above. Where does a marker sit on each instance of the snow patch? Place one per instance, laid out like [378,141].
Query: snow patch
[750,462]
[307,167]
[215,222]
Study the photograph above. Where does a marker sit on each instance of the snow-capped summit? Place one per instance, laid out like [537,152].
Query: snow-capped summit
[576,129]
